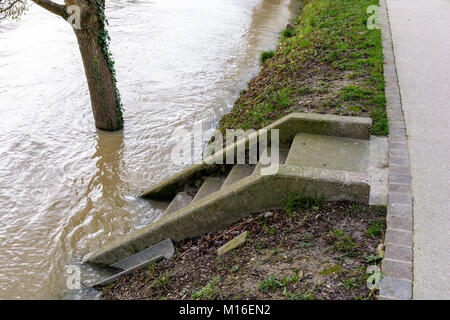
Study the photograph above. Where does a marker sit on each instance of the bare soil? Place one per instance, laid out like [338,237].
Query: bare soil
[313,252]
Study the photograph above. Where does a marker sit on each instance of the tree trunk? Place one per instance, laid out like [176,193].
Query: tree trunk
[105,98]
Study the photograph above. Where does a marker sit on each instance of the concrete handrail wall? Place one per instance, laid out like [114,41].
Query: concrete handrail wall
[252,194]
[288,126]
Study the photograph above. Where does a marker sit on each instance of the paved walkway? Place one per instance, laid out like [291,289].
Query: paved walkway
[421,38]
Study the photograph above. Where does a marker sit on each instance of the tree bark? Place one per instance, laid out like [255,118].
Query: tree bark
[105,98]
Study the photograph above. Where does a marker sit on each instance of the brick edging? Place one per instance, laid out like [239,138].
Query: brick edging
[397,264]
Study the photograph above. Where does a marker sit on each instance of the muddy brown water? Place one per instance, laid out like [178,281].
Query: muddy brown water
[66,188]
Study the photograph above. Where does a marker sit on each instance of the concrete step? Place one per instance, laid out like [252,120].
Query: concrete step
[329,152]
[181,200]
[239,172]
[282,156]
[328,160]
[210,185]
[164,249]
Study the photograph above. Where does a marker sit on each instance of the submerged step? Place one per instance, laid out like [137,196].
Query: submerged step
[164,249]
[329,152]
[239,172]
[181,200]
[210,185]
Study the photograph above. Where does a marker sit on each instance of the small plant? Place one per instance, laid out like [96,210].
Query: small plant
[295,203]
[303,90]
[353,209]
[266,55]
[373,258]
[281,99]
[305,245]
[300,296]
[343,242]
[350,283]
[375,228]
[354,93]
[151,267]
[208,291]
[288,32]
[271,284]
[162,280]
[234,268]
[272,231]
[331,270]
[380,122]
[293,278]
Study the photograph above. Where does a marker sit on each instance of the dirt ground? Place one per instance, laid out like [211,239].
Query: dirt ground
[309,250]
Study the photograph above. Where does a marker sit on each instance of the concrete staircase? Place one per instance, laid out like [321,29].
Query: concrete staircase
[321,156]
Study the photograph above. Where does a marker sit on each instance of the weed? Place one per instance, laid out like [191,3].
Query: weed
[208,291]
[372,258]
[309,295]
[162,280]
[342,241]
[375,228]
[266,55]
[293,278]
[332,270]
[271,284]
[288,32]
[295,203]
[350,283]
[272,231]
[353,209]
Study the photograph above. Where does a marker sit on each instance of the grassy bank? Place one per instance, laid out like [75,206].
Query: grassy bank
[328,61]
[309,250]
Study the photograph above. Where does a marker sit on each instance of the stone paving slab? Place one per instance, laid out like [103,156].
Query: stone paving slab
[397,265]
[419,200]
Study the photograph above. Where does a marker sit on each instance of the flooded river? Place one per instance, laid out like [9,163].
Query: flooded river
[66,188]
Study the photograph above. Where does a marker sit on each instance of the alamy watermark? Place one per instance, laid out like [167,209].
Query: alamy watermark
[74,18]
[189,147]
[373,22]
[73,280]
[374,280]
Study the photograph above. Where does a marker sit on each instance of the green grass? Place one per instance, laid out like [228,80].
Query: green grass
[373,258]
[300,296]
[350,283]
[270,284]
[162,280]
[342,242]
[296,203]
[287,33]
[266,55]
[328,55]
[208,291]
[375,228]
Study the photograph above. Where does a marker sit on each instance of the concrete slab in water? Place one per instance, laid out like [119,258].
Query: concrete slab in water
[328,152]
[164,249]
